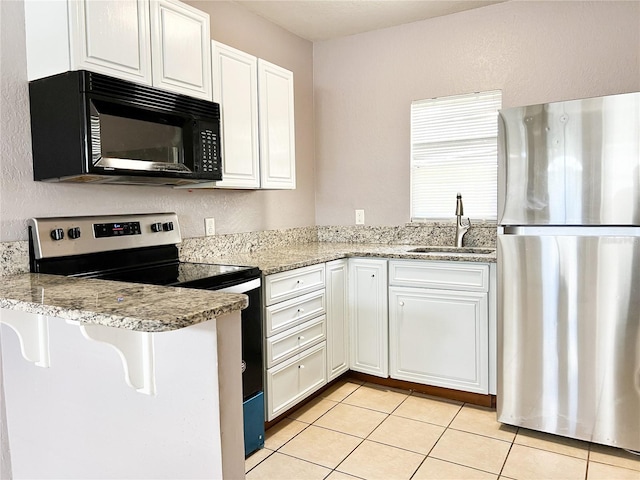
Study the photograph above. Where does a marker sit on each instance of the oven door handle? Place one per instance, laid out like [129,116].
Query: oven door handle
[241,287]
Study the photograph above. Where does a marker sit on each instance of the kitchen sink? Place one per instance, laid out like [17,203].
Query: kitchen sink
[454,250]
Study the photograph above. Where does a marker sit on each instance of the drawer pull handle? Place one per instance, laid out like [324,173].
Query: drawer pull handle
[300,366]
[300,282]
[373,276]
[301,310]
[401,304]
[300,337]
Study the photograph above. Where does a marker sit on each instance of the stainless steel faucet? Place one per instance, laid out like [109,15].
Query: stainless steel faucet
[461,229]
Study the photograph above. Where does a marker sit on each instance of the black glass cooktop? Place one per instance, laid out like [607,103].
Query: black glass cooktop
[183,274]
[152,265]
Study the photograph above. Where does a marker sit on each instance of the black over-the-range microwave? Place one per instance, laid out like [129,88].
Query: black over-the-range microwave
[88,127]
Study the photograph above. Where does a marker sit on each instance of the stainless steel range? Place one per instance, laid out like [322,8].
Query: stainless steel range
[143,249]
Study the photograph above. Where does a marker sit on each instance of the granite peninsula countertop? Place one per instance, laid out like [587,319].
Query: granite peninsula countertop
[131,306]
[303,254]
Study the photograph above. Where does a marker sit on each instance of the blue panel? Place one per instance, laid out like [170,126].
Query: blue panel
[253,423]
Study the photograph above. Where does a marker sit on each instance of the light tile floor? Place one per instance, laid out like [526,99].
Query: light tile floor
[364,431]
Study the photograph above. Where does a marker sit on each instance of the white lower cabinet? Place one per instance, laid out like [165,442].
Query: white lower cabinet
[440,335]
[295,337]
[368,316]
[286,344]
[284,315]
[428,322]
[295,379]
[337,318]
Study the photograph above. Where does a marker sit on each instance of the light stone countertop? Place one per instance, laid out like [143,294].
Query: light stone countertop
[301,255]
[151,308]
[131,306]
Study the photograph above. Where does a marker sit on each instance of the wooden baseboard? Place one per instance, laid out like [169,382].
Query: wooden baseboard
[447,393]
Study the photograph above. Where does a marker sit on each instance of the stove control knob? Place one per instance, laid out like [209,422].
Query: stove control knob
[57,234]
[74,232]
[167,227]
[156,227]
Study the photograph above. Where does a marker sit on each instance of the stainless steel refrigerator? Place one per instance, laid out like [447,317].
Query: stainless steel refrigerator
[569,269]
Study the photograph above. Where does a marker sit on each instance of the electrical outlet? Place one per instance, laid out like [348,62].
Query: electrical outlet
[359,217]
[209,226]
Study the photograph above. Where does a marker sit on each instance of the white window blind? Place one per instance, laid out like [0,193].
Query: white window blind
[454,149]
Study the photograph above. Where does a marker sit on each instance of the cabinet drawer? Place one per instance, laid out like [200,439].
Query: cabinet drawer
[473,277]
[286,285]
[284,315]
[295,379]
[294,340]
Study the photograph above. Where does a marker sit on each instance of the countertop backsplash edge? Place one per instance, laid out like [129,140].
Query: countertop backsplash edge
[14,256]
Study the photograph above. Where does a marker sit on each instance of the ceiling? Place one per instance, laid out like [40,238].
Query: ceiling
[317,20]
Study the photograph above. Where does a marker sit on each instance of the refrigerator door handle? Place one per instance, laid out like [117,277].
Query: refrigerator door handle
[576,231]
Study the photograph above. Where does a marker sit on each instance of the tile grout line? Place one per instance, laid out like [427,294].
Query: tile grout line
[370,433]
[361,439]
[319,426]
[485,436]
[552,451]
[513,442]
[455,429]
[436,442]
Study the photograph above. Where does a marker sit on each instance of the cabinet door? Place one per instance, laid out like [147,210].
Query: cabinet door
[368,316]
[235,88]
[277,126]
[295,379]
[337,318]
[111,37]
[439,337]
[181,48]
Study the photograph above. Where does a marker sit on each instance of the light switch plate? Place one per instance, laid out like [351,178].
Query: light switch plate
[359,217]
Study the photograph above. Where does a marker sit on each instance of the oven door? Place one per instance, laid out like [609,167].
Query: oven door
[252,373]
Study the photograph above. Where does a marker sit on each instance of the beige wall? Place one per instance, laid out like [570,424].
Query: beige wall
[534,51]
[234,211]
[363,85]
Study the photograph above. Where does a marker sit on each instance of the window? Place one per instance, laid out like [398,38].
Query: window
[454,149]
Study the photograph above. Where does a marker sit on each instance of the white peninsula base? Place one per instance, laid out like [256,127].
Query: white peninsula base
[165,405]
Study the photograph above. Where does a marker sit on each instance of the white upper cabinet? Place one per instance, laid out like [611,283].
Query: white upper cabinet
[180,48]
[123,39]
[110,37]
[258,126]
[235,88]
[277,126]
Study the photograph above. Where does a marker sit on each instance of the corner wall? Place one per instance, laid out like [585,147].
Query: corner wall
[534,51]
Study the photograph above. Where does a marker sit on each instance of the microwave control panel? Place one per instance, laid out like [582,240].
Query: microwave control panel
[208,158]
